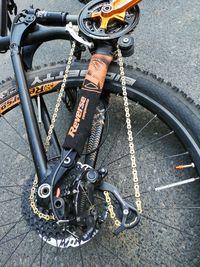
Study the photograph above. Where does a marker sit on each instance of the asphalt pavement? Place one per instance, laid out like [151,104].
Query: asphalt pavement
[167,41]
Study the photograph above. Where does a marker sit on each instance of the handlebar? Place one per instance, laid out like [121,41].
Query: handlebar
[42,32]
[55,18]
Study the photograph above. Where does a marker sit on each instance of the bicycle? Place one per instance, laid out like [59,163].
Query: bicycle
[77,210]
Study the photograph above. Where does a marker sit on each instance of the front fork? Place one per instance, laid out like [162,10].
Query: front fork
[19,30]
[85,109]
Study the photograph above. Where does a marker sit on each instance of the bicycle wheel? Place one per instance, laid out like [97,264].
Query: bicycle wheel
[166,126]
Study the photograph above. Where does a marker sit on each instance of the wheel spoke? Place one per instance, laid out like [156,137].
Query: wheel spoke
[18,245]
[81,256]
[13,238]
[111,252]
[14,129]
[114,140]
[99,257]
[169,186]
[7,186]
[12,192]
[11,228]
[187,181]
[8,200]
[171,208]
[143,147]
[153,161]
[17,151]
[41,249]
[6,224]
[145,126]
[55,255]
[155,141]
[155,263]
[34,259]
[160,248]
[168,226]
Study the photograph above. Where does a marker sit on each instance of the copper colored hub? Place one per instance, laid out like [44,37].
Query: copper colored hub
[115,10]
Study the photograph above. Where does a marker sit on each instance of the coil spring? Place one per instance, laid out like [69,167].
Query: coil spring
[83,200]
[95,136]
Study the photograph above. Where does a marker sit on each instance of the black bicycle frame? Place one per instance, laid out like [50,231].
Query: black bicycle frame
[25,33]
[7,8]
[3,18]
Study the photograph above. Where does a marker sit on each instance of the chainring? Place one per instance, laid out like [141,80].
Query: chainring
[91,27]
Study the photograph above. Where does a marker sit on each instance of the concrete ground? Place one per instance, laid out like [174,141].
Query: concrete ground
[167,43]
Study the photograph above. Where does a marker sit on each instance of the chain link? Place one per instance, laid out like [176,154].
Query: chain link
[129,133]
[112,213]
[58,102]
[113,216]
[49,135]
[33,202]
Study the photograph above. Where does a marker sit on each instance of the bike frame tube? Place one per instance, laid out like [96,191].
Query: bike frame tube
[3,17]
[36,34]
[32,129]
[42,34]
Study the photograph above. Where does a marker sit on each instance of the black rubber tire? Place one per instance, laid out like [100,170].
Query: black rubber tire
[180,114]
[172,105]
[84,1]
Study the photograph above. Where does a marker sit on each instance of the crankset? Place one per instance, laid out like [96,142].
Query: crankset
[106,20]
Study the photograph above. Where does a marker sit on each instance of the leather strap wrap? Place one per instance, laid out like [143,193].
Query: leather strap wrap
[87,101]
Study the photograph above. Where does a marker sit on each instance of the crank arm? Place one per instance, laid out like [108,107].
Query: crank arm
[122,5]
[127,209]
[115,10]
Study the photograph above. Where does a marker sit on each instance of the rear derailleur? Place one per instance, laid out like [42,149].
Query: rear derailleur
[78,201]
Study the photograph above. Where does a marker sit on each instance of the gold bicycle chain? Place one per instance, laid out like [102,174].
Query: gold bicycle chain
[112,213]
[113,216]
[129,133]
[32,199]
